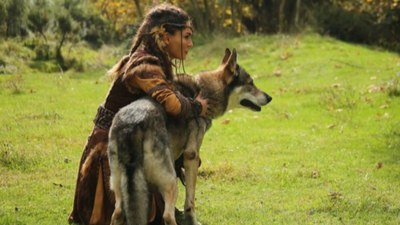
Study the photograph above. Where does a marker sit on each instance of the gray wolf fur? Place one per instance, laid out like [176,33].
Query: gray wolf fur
[144,142]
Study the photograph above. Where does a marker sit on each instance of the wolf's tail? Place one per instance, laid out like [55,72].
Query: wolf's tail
[135,195]
[133,186]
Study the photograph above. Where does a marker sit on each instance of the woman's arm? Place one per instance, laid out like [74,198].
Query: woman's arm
[151,79]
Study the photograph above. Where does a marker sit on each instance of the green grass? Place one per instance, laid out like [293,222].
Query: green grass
[326,150]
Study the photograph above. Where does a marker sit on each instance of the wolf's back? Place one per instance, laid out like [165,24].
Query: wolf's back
[132,127]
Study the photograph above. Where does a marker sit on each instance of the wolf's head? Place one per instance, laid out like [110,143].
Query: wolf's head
[243,91]
[230,86]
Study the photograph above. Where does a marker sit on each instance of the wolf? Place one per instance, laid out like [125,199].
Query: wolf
[144,142]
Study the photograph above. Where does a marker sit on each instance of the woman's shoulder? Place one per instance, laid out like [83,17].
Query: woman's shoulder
[143,57]
[142,63]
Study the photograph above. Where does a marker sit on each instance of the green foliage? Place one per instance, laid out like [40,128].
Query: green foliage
[299,161]
[360,21]
[39,17]
[339,98]
[16,159]
[359,30]
[65,22]
[43,52]
[14,57]
[16,18]
[3,16]
[53,24]
[393,139]
[114,21]
[89,23]
[37,55]
[75,23]
[46,66]
[393,86]
[15,85]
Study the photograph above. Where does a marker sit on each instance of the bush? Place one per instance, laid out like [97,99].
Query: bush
[15,57]
[48,66]
[345,25]
[43,52]
[393,87]
[357,25]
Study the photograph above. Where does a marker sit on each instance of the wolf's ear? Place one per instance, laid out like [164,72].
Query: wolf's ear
[230,66]
[226,56]
[232,61]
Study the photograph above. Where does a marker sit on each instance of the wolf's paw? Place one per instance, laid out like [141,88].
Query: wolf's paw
[185,219]
[118,217]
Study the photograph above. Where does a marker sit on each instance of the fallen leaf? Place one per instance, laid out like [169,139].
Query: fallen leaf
[331,126]
[66,160]
[335,195]
[315,174]
[226,121]
[277,72]
[286,55]
[375,88]
[385,106]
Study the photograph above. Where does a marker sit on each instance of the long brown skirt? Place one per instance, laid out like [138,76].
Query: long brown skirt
[94,201]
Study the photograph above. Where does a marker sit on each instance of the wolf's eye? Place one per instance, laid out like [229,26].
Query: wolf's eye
[237,70]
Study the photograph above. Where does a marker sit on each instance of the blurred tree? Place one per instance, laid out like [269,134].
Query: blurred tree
[122,14]
[99,21]
[3,17]
[16,18]
[90,24]
[39,17]
[96,30]
[65,25]
[362,21]
[203,13]
[208,12]
[264,16]
[138,9]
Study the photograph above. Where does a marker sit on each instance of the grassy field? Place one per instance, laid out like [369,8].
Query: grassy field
[326,150]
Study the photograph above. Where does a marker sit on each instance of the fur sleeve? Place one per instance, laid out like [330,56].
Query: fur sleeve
[150,79]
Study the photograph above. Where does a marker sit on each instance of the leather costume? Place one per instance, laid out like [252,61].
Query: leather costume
[142,75]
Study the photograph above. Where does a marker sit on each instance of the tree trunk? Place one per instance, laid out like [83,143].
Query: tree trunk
[59,57]
[103,9]
[281,16]
[266,21]
[196,13]
[138,9]
[207,16]
[296,17]
[233,15]
[41,32]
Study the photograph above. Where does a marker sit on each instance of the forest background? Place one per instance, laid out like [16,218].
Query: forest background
[39,29]
[324,151]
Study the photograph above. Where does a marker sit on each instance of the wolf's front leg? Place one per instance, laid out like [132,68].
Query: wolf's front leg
[170,193]
[191,164]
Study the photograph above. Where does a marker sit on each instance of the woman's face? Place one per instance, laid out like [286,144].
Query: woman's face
[178,44]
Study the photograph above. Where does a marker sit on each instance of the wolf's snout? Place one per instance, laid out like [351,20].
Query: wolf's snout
[268,98]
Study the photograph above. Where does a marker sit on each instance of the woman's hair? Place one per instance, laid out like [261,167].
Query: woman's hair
[160,19]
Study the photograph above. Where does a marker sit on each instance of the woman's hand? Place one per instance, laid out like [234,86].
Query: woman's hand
[204,104]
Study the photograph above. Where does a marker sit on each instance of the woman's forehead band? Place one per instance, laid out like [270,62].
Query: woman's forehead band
[180,25]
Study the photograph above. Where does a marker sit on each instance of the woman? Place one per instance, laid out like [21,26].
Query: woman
[165,34]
